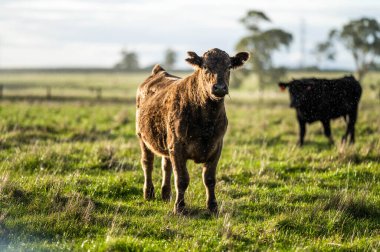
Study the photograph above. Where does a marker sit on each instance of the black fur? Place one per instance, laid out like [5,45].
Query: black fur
[325,99]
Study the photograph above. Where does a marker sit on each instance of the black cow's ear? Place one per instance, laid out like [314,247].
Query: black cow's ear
[283,85]
[194,59]
[239,59]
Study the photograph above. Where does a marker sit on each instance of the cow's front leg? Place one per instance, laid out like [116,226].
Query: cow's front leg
[181,177]
[302,126]
[327,130]
[209,180]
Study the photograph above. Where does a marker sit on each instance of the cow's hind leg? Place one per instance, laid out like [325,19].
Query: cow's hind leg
[327,130]
[350,127]
[166,176]
[147,158]
[209,180]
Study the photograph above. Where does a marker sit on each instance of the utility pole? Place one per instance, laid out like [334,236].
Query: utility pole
[302,42]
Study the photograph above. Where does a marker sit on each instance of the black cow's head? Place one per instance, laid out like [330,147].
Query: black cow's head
[215,66]
[299,91]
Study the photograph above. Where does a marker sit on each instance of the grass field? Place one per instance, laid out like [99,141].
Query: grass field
[70,178]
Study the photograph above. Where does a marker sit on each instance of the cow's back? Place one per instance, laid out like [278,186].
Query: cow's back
[329,98]
[345,96]
[152,99]
[159,82]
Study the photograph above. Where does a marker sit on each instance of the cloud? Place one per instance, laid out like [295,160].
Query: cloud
[88,32]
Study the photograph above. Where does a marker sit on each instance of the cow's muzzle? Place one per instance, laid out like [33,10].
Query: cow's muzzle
[219,90]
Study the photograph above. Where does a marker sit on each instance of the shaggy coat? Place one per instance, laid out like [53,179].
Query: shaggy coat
[180,119]
[323,100]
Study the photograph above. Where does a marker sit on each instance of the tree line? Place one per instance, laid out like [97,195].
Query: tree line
[130,61]
[360,37]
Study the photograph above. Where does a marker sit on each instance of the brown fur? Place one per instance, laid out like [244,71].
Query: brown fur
[181,119]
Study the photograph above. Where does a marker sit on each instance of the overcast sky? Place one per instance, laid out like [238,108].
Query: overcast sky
[70,33]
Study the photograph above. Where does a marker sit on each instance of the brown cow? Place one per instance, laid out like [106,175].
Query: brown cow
[181,119]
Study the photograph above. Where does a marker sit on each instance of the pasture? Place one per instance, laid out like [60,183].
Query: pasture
[70,176]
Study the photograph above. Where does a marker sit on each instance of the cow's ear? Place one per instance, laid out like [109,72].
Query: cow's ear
[194,59]
[283,85]
[239,59]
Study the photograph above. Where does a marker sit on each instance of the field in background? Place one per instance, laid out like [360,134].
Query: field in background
[123,85]
[70,176]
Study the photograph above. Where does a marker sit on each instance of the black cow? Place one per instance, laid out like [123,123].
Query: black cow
[325,99]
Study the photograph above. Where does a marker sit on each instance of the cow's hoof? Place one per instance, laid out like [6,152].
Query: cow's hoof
[149,193]
[344,140]
[165,193]
[213,208]
[179,210]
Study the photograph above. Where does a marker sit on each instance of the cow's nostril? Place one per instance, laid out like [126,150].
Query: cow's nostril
[216,88]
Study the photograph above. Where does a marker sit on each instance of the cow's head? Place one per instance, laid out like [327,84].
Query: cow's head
[299,91]
[214,67]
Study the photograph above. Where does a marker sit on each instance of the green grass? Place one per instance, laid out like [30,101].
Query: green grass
[70,179]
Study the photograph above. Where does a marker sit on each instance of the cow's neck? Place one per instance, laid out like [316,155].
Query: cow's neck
[197,93]
[198,102]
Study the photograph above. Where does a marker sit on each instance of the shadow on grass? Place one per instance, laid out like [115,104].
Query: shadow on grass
[355,206]
[270,142]
[197,213]
[324,145]
[357,158]
[26,138]
[349,210]
[30,138]
[35,136]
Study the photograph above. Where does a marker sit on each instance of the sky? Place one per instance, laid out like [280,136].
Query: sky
[91,33]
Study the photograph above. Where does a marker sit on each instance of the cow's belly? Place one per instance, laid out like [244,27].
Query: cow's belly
[321,114]
[151,131]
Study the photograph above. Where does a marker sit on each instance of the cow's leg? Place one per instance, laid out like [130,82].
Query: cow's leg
[327,130]
[166,176]
[209,180]
[181,177]
[302,125]
[344,137]
[351,125]
[147,158]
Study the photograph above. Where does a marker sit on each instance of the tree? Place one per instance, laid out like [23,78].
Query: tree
[325,50]
[361,38]
[262,44]
[170,58]
[129,61]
